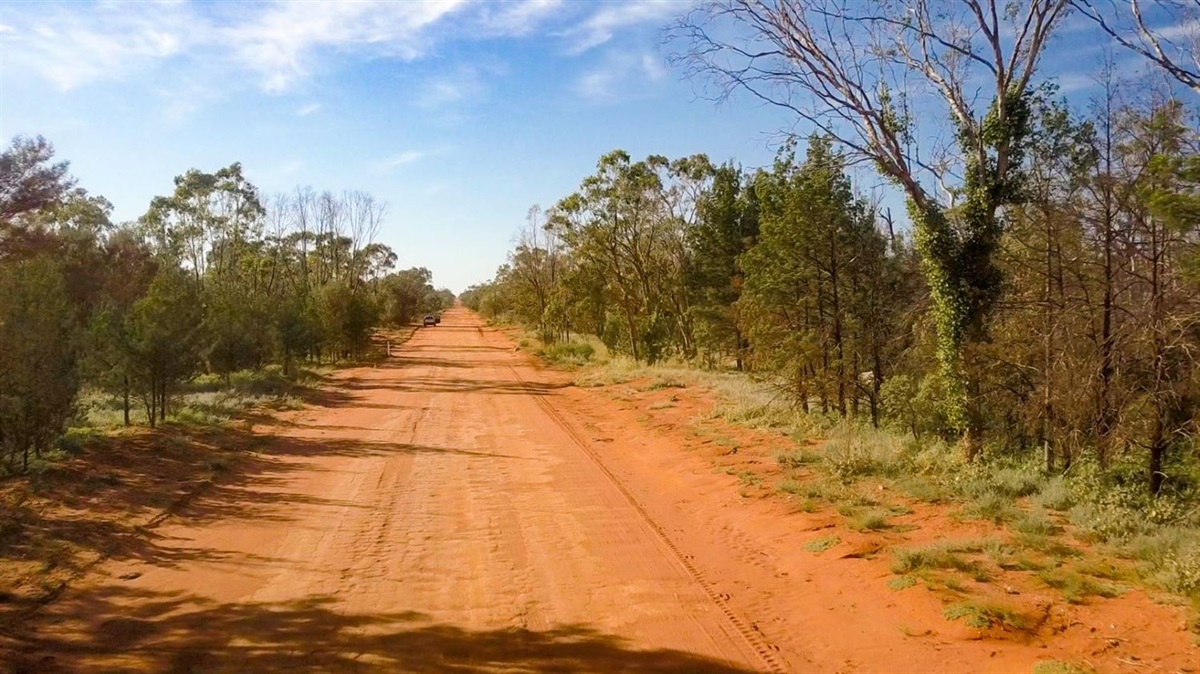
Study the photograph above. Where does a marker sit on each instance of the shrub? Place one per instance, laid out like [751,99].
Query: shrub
[569,353]
[982,615]
[795,458]
[819,545]
[870,520]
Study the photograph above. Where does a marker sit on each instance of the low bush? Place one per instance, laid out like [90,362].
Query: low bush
[984,615]
[568,353]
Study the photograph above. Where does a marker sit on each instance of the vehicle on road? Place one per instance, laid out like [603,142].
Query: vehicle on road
[430,320]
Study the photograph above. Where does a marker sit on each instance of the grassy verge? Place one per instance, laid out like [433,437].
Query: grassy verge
[92,497]
[1086,534]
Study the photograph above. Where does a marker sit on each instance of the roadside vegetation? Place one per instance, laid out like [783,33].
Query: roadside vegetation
[135,357]
[216,293]
[1020,348]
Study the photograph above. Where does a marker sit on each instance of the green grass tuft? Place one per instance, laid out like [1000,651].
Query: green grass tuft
[869,520]
[986,614]
[819,545]
[1060,667]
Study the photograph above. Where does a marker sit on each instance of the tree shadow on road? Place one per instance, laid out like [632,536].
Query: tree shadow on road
[135,629]
[104,502]
[435,384]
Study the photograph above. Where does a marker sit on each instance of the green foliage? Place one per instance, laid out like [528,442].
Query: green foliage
[1060,667]
[38,375]
[985,615]
[869,520]
[947,555]
[816,281]
[165,329]
[569,353]
[1076,587]
[819,545]
[797,458]
[791,487]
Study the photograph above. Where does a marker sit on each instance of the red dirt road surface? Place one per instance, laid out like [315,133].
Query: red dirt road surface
[458,509]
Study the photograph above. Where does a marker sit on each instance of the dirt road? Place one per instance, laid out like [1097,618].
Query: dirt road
[435,515]
[460,509]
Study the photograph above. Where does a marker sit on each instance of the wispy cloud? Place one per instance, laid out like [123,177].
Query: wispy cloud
[517,18]
[283,44]
[406,157]
[409,156]
[621,76]
[602,25]
[283,41]
[307,110]
[290,169]
[68,48]
[463,85]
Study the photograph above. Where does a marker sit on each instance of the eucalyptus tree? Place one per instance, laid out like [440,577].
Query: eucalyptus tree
[615,224]
[876,77]
[29,181]
[165,332]
[206,222]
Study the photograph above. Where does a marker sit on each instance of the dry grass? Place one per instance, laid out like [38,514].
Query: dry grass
[1043,514]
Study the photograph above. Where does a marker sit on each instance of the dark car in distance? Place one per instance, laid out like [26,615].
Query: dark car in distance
[431,320]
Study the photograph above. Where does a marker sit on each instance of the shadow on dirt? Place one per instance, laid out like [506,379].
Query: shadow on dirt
[104,501]
[181,633]
[435,384]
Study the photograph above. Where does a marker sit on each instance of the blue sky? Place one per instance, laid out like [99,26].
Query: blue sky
[460,115]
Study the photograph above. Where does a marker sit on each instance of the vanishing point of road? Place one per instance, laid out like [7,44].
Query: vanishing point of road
[434,514]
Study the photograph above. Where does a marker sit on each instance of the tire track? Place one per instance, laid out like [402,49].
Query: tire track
[754,639]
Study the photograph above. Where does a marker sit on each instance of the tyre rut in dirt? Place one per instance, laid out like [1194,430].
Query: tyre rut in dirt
[755,641]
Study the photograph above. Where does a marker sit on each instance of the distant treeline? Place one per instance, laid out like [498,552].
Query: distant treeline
[212,279]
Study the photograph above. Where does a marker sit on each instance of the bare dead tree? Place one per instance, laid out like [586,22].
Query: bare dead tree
[1173,45]
[364,216]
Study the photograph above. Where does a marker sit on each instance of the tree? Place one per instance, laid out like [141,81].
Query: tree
[815,283]
[38,376]
[1173,45]
[110,355]
[405,293]
[728,226]
[28,181]
[165,331]
[847,68]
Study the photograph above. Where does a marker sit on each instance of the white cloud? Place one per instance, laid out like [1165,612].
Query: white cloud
[406,157]
[282,42]
[69,48]
[517,18]
[613,16]
[410,156]
[462,85]
[309,109]
[290,168]
[621,76]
